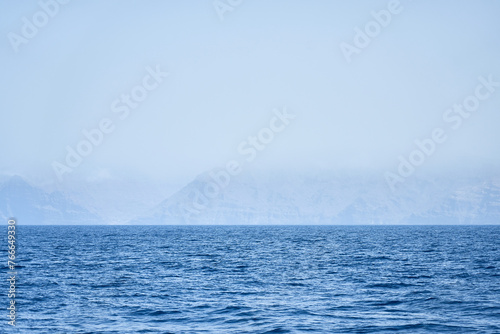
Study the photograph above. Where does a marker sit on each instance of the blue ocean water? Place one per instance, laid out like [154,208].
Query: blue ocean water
[257,279]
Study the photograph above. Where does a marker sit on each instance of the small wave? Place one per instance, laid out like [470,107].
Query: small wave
[278,330]
[389,285]
[230,309]
[388,303]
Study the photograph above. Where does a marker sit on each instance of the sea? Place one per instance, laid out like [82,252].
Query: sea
[255,279]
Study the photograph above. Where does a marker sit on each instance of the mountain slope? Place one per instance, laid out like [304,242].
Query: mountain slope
[32,206]
[332,199]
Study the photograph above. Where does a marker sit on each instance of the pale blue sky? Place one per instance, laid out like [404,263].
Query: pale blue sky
[227,76]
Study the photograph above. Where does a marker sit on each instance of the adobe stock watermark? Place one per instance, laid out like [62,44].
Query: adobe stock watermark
[453,117]
[31,26]
[122,107]
[223,6]
[12,273]
[363,37]
[249,150]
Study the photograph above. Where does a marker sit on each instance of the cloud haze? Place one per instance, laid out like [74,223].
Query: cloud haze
[227,76]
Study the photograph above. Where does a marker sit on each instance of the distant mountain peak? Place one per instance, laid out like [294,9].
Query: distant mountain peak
[31,205]
[292,199]
[16,181]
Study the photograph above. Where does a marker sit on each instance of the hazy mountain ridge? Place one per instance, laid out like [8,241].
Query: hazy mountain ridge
[269,199]
[30,205]
[331,200]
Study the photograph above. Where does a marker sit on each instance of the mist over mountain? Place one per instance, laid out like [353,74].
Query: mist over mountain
[32,206]
[269,198]
[329,199]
